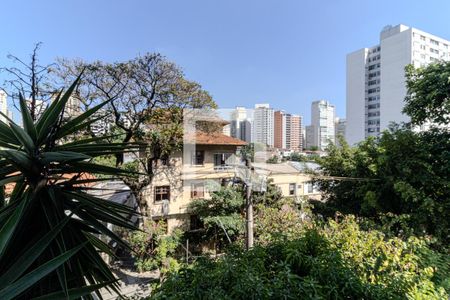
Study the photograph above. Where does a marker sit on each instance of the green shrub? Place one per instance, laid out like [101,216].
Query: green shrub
[153,248]
[337,260]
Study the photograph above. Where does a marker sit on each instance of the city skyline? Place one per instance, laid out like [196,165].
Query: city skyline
[230,48]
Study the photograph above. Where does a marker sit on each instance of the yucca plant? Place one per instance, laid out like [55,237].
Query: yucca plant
[50,226]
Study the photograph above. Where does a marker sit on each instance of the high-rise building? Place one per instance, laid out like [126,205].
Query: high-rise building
[241,124]
[376,78]
[322,129]
[263,124]
[340,125]
[3,105]
[287,131]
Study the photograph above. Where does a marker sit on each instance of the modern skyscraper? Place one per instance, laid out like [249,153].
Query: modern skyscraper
[263,124]
[4,106]
[287,131]
[240,126]
[322,129]
[340,125]
[376,78]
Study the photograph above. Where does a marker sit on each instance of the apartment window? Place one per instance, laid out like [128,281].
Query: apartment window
[374,90]
[434,51]
[373,82]
[220,159]
[434,42]
[422,37]
[372,106]
[197,190]
[310,188]
[162,193]
[195,223]
[445,46]
[291,189]
[198,157]
[422,47]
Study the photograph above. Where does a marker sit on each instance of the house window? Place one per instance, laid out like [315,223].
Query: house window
[198,158]
[195,223]
[220,159]
[291,189]
[197,190]
[162,193]
[309,187]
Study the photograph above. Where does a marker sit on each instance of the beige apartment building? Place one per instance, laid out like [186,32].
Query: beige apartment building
[200,169]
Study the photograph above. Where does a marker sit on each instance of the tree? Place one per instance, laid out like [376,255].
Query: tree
[50,224]
[221,216]
[30,80]
[403,172]
[428,94]
[146,98]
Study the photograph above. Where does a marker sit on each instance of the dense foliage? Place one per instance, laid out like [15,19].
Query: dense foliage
[428,97]
[50,224]
[333,261]
[404,173]
[221,216]
[152,248]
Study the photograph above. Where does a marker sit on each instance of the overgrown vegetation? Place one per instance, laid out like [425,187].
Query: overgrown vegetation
[153,248]
[336,260]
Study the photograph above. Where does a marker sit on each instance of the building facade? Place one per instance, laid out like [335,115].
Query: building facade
[321,132]
[340,126]
[263,125]
[241,124]
[287,131]
[376,78]
[4,106]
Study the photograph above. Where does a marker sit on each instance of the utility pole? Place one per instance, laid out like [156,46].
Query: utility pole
[249,205]
[249,215]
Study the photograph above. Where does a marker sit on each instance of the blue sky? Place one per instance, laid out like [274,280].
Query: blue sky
[286,53]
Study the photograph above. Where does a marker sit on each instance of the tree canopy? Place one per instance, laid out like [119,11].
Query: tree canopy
[428,94]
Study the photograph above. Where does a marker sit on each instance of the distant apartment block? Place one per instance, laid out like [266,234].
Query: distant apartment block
[241,124]
[340,125]
[4,106]
[263,125]
[375,78]
[321,132]
[287,131]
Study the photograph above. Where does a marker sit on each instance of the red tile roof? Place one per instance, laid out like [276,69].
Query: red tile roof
[214,138]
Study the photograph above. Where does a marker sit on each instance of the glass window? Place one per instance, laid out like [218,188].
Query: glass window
[220,159]
[198,157]
[291,189]
[197,190]
[162,193]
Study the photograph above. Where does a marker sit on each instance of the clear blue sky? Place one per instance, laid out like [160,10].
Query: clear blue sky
[287,53]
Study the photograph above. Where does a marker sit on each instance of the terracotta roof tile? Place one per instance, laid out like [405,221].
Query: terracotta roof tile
[203,138]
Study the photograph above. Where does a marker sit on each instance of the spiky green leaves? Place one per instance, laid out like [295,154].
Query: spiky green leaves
[49,223]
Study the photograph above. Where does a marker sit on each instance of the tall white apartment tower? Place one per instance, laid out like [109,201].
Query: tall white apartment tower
[241,124]
[263,124]
[4,106]
[322,129]
[376,78]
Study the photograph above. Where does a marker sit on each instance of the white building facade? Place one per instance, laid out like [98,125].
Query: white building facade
[241,124]
[321,132]
[376,78]
[263,125]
